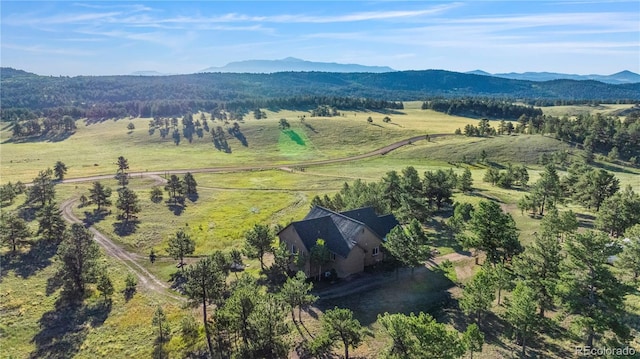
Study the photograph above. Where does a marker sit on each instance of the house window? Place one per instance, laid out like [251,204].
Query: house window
[375,251]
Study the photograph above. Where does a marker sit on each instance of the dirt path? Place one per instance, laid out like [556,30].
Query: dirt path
[378,152]
[147,280]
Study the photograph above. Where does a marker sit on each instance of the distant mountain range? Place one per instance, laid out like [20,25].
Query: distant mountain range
[293,64]
[623,77]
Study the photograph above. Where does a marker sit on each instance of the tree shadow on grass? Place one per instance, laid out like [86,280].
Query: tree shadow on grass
[126,228]
[310,128]
[193,197]
[91,218]
[64,329]
[27,264]
[177,208]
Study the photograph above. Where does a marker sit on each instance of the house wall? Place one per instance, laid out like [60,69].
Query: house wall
[368,241]
[360,256]
[354,263]
[291,237]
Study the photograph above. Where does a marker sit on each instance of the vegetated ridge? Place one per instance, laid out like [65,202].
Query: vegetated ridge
[20,89]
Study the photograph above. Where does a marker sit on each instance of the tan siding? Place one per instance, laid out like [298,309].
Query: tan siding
[368,241]
[354,263]
[291,237]
[360,256]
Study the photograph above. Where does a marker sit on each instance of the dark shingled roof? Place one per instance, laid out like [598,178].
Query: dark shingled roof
[340,229]
[380,225]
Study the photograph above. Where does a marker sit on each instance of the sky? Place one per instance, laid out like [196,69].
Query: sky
[120,37]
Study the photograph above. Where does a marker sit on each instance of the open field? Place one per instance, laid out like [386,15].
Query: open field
[230,203]
[93,149]
[575,110]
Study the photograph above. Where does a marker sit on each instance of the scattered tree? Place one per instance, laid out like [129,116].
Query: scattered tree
[181,245]
[415,337]
[121,174]
[204,285]
[296,293]
[410,249]
[629,258]
[465,182]
[320,255]
[495,232]
[539,267]
[258,242]
[78,254]
[339,324]
[42,190]
[104,284]
[473,339]
[60,169]
[284,124]
[161,324]
[51,225]
[130,286]
[127,204]
[478,295]
[588,288]
[174,188]
[156,195]
[13,230]
[99,195]
[190,185]
[521,313]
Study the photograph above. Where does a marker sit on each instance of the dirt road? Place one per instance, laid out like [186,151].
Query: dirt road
[147,280]
[378,152]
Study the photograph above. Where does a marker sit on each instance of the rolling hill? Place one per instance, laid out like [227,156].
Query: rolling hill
[20,89]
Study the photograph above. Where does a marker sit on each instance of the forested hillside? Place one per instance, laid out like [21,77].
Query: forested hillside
[24,90]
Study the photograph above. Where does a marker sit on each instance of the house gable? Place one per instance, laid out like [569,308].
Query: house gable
[342,232]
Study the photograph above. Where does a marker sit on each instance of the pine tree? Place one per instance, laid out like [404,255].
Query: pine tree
[51,225]
[181,245]
[104,284]
[258,242]
[13,230]
[465,182]
[99,195]
[296,293]
[478,295]
[521,313]
[339,324]
[78,254]
[588,287]
[539,267]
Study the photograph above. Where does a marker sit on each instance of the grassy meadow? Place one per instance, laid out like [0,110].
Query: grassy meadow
[94,147]
[228,204]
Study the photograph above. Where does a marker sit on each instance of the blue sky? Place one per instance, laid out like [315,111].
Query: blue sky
[120,37]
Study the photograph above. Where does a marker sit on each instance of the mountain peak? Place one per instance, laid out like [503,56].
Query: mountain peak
[289,64]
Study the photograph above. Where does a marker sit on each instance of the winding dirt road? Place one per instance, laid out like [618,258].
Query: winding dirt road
[380,151]
[147,279]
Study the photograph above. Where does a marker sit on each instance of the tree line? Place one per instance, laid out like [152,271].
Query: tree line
[475,107]
[406,194]
[170,107]
[609,135]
